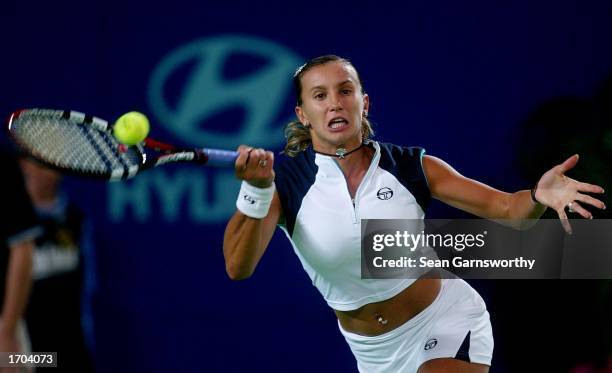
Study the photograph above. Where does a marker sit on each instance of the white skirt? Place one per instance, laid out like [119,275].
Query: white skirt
[455,325]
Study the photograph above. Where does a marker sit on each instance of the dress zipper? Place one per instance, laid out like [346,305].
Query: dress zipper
[355,201]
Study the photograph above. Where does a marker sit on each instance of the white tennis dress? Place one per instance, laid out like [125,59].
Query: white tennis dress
[323,223]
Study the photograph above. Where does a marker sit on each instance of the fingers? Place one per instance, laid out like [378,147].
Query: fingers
[243,157]
[255,166]
[269,160]
[569,163]
[564,221]
[248,157]
[258,158]
[589,188]
[578,209]
[591,201]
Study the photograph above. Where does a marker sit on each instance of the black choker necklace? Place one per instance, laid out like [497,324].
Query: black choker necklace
[340,152]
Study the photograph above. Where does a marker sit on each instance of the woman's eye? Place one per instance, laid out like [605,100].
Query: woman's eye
[346,91]
[319,96]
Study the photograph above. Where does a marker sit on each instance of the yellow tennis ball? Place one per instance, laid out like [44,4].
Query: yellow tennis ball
[131,128]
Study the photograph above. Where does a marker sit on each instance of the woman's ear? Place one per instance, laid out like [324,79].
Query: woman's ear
[301,117]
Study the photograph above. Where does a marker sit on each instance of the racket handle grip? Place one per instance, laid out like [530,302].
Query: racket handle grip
[220,158]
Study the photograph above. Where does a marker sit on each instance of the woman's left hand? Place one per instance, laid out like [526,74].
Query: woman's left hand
[558,191]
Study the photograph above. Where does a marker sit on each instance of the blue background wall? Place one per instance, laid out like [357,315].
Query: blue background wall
[458,78]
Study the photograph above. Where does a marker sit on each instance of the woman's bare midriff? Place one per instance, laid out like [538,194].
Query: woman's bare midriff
[394,311]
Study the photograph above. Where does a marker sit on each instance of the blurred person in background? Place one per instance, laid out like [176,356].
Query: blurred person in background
[54,313]
[17,233]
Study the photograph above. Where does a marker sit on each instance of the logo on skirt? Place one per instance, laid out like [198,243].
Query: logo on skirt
[431,344]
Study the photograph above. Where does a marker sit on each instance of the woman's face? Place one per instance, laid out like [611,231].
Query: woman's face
[333,105]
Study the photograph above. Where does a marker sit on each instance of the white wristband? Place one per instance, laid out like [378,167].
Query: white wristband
[253,201]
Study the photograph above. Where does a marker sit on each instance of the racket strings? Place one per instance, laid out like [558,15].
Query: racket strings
[68,144]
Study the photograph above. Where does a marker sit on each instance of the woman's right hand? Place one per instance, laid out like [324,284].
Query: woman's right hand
[255,166]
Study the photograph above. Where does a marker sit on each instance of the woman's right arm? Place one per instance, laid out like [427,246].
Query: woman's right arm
[246,238]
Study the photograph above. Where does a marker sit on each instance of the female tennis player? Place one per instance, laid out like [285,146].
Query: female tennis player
[331,179]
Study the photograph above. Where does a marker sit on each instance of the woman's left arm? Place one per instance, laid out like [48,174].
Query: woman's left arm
[554,190]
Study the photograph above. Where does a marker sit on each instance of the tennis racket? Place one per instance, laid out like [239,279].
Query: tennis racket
[84,145]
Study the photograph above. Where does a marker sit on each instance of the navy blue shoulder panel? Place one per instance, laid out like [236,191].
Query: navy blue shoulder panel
[405,164]
[294,177]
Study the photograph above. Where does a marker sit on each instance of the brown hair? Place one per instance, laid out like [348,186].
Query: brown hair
[298,135]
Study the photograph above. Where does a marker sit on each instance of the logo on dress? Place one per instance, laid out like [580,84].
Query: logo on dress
[384,193]
[431,344]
